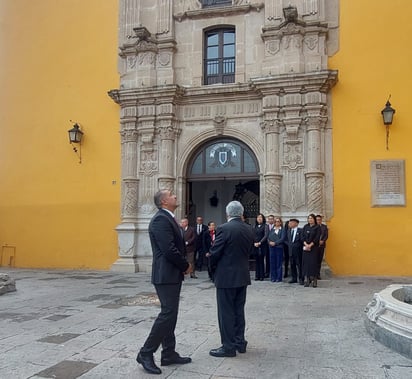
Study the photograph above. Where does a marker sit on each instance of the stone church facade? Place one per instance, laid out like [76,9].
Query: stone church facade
[223,99]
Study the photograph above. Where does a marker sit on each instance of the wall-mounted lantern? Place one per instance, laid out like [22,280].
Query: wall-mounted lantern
[75,136]
[387,114]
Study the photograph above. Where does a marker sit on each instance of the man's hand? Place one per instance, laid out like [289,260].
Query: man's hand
[208,254]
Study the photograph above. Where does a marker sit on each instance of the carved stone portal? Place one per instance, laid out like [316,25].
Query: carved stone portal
[278,106]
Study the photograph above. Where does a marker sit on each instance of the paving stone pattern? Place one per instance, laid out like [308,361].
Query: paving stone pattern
[70,324]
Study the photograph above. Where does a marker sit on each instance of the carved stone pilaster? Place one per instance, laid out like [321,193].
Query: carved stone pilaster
[272,194]
[167,183]
[314,190]
[165,17]
[130,196]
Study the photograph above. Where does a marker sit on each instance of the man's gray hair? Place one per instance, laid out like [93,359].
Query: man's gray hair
[234,209]
[159,196]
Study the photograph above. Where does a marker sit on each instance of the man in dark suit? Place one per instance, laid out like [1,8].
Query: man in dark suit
[324,234]
[200,230]
[229,259]
[168,270]
[295,251]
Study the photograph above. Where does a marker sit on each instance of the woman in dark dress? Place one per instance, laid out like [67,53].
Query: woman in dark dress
[310,238]
[261,231]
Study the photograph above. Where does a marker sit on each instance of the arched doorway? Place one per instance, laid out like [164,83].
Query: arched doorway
[219,171]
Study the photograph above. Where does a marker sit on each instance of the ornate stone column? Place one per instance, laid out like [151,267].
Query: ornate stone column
[126,231]
[314,173]
[272,177]
[167,157]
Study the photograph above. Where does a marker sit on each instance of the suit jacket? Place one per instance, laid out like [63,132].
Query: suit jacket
[168,249]
[230,254]
[207,241]
[199,237]
[294,247]
[311,234]
[279,238]
[189,237]
[324,233]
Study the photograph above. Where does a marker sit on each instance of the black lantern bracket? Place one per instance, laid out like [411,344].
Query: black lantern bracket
[387,114]
[75,138]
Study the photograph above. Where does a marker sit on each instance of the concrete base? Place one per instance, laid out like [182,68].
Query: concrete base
[389,320]
[125,265]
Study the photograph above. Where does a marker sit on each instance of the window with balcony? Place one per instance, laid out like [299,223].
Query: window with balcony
[219,61]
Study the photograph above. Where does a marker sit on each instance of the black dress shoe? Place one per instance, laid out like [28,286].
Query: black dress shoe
[301,282]
[222,352]
[175,359]
[292,281]
[148,363]
[242,347]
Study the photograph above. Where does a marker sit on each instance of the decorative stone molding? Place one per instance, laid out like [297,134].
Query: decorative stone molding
[272,193]
[130,193]
[236,9]
[293,155]
[314,187]
[128,136]
[219,123]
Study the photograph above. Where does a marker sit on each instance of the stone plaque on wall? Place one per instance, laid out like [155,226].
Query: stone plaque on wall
[388,183]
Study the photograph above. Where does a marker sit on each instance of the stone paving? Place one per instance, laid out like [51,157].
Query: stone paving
[89,324]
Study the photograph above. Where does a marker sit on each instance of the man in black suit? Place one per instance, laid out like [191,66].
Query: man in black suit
[168,270]
[324,234]
[200,230]
[295,251]
[229,259]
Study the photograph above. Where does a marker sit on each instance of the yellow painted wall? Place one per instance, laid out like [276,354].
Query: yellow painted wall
[374,61]
[58,60]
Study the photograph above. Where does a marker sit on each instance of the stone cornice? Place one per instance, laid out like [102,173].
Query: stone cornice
[220,92]
[146,95]
[218,11]
[321,81]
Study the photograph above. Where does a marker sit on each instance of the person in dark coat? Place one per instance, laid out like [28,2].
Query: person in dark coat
[229,259]
[189,237]
[261,230]
[208,241]
[310,239]
[200,230]
[324,234]
[295,249]
[168,270]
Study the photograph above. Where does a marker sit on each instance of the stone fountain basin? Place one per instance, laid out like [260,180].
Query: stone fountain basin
[389,318]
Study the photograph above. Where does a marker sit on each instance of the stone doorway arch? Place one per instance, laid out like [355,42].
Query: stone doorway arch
[218,171]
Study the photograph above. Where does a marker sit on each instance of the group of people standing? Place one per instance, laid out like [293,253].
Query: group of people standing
[281,246]
[198,241]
